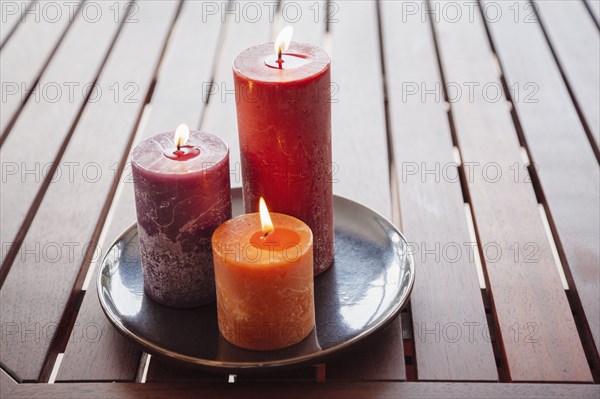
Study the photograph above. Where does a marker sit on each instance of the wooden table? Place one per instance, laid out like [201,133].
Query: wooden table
[475,127]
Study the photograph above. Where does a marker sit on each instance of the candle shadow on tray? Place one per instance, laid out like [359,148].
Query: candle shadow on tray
[191,332]
[229,353]
[194,332]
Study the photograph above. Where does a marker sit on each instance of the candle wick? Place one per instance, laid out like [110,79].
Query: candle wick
[279,57]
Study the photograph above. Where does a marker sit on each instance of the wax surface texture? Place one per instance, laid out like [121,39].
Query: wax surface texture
[284,125]
[179,204]
[265,295]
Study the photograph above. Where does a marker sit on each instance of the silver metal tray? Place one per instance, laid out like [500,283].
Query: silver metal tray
[365,289]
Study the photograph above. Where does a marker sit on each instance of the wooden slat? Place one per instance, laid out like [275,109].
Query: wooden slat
[96,351]
[306,17]
[38,292]
[220,115]
[46,121]
[177,98]
[576,42]
[380,357]
[448,316]
[333,390]
[11,13]
[537,330]
[162,371]
[7,384]
[219,118]
[594,6]
[361,170]
[26,55]
[567,169]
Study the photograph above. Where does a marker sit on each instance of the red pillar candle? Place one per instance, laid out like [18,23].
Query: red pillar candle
[182,195]
[283,103]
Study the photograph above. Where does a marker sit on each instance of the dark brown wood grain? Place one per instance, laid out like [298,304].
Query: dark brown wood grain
[537,331]
[346,390]
[361,165]
[378,358]
[576,43]
[46,121]
[38,292]
[566,167]
[449,320]
[177,98]
[26,55]
[538,339]
[96,351]
[220,114]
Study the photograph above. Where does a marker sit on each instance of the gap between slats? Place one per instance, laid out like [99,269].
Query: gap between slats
[140,134]
[407,333]
[593,15]
[14,250]
[67,322]
[15,116]
[102,238]
[16,24]
[584,122]
[411,360]
[551,231]
[213,72]
[473,231]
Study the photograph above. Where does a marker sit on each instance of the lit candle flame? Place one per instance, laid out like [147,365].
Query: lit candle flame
[182,134]
[265,218]
[283,40]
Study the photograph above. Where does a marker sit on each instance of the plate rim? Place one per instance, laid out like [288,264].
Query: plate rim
[220,366]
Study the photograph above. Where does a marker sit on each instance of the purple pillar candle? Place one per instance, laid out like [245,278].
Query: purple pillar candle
[182,195]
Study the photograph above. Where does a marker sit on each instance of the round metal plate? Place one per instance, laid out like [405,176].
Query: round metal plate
[365,289]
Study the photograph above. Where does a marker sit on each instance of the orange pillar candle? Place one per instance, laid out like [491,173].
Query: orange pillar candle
[264,280]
